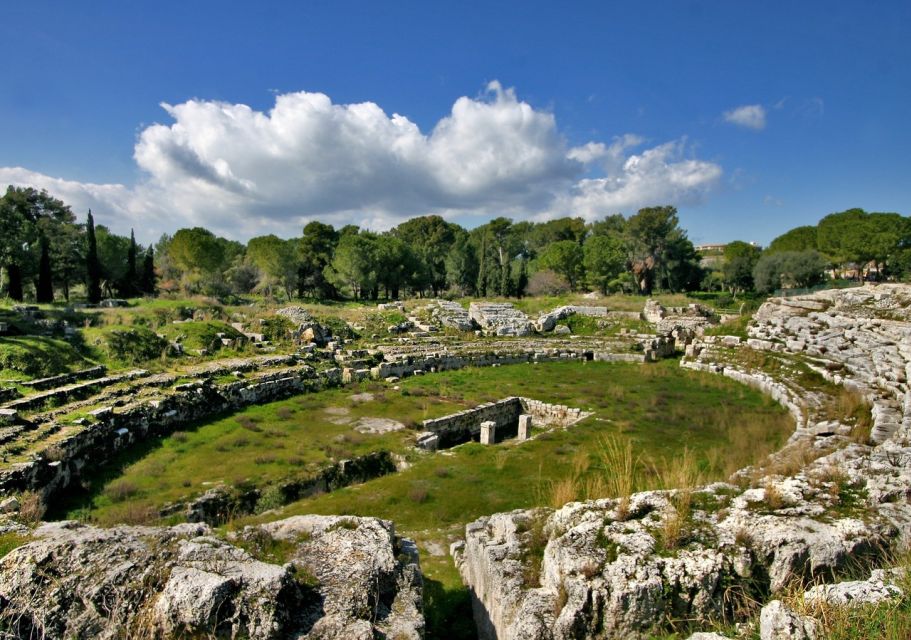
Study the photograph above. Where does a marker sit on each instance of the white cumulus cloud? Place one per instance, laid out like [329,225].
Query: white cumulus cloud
[243,172]
[662,174]
[751,116]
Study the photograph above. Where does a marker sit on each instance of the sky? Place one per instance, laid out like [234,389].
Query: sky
[254,118]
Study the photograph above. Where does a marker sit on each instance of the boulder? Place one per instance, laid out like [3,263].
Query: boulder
[778,622]
[339,578]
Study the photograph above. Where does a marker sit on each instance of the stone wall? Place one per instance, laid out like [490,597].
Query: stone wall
[118,430]
[466,425]
[457,428]
[65,378]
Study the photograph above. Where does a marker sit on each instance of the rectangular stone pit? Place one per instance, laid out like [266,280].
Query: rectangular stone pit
[493,422]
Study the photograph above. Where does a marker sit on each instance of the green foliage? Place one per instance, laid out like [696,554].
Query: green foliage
[127,345]
[92,264]
[10,541]
[788,269]
[565,258]
[797,239]
[740,259]
[605,260]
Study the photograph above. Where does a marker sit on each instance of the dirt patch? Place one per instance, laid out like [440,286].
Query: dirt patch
[377,425]
[362,397]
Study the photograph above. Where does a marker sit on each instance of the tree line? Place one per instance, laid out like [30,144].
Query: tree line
[852,244]
[44,249]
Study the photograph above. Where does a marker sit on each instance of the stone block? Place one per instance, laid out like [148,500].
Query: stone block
[488,432]
[524,427]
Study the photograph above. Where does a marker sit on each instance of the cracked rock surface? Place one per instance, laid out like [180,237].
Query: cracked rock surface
[339,578]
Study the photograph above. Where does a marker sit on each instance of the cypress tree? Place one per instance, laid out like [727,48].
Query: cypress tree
[506,288]
[522,283]
[130,283]
[14,287]
[482,270]
[147,281]
[45,289]
[92,266]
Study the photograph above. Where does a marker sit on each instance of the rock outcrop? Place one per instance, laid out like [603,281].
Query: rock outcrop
[616,569]
[320,577]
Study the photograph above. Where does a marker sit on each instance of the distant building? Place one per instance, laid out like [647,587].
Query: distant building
[711,248]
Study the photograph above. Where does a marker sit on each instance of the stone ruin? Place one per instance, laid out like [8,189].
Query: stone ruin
[499,319]
[493,422]
[606,571]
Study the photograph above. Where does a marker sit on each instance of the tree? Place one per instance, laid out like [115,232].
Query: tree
[354,264]
[604,260]
[25,216]
[522,281]
[788,269]
[396,264]
[543,234]
[650,232]
[740,259]
[276,260]
[92,266]
[430,238]
[564,258]
[842,237]
[797,239]
[314,252]
[147,281]
[128,287]
[44,292]
[197,249]
[113,251]
[462,264]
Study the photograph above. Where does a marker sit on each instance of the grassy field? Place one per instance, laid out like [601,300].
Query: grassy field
[661,409]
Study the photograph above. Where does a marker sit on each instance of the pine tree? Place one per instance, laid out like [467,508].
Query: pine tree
[522,283]
[129,287]
[147,281]
[45,289]
[92,266]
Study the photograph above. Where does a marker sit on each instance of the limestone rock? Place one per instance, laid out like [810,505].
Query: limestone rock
[344,578]
[777,622]
[878,588]
[499,319]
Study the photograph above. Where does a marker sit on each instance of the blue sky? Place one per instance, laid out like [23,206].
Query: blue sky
[752,117]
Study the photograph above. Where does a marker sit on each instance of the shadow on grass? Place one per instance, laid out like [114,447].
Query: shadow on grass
[90,484]
[448,612]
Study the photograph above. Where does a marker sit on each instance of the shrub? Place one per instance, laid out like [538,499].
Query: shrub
[31,507]
[547,283]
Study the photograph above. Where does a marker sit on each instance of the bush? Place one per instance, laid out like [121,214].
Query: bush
[547,283]
[132,345]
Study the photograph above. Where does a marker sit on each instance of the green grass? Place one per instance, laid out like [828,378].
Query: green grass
[10,541]
[39,357]
[261,445]
[661,408]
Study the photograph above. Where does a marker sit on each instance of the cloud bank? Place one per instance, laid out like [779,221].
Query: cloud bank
[242,172]
[751,116]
